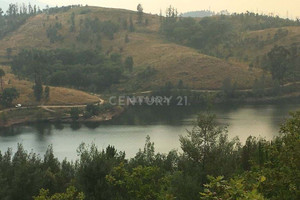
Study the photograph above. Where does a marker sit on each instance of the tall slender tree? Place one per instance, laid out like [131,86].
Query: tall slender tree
[38,89]
[47,92]
[2,73]
[129,63]
[131,26]
[140,13]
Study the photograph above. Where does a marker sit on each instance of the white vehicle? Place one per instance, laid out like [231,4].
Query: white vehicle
[18,106]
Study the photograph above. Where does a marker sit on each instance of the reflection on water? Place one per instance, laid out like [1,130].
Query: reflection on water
[127,133]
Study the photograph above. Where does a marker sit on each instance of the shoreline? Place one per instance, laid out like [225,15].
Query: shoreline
[104,117]
[118,111]
[263,100]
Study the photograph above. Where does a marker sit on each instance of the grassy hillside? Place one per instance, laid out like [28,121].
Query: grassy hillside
[258,43]
[58,95]
[175,62]
[171,62]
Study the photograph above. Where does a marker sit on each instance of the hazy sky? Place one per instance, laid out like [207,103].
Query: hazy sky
[279,7]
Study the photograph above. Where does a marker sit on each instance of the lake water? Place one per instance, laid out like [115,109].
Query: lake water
[128,133]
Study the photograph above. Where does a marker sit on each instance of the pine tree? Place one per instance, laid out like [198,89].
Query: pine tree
[72,27]
[2,73]
[140,13]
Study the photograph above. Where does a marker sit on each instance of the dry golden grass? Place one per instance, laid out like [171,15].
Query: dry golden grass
[58,95]
[33,33]
[173,62]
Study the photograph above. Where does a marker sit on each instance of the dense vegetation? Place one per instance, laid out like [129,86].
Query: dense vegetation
[283,63]
[212,33]
[95,29]
[210,167]
[89,70]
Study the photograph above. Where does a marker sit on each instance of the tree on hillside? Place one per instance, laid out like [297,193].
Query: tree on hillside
[116,58]
[131,26]
[47,92]
[72,27]
[126,38]
[38,89]
[8,53]
[140,13]
[129,63]
[124,24]
[279,60]
[168,24]
[160,16]
[53,34]
[180,84]
[8,95]
[2,73]
[146,22]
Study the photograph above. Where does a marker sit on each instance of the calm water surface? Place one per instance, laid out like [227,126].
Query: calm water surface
[128,133]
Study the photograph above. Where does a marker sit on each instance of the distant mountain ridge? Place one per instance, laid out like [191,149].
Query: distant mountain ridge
[200,13]
[204,13]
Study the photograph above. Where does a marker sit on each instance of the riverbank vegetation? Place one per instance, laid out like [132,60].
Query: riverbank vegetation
[59,114]
[210,167]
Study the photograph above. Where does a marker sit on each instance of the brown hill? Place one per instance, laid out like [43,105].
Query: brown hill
[172,62]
